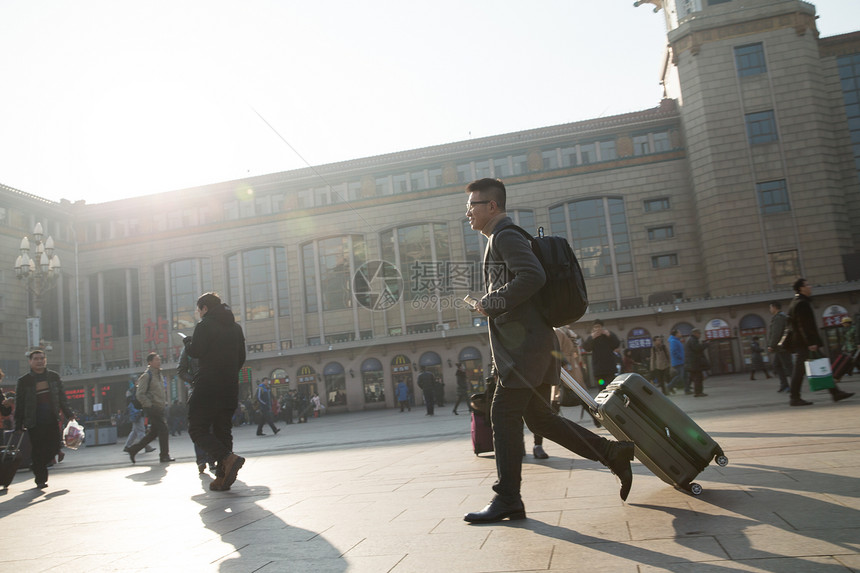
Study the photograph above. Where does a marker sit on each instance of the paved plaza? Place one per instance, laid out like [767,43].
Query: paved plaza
[382,491]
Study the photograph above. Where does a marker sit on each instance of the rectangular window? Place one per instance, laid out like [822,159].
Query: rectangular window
[383,186]
[641,146]
[521,164]
[550,159]
[482,169]
[661,141]
[435,177]
[277,204]
[661,204]
[418,181]
[501,168]
[660,233]
[568,156]
[761,127]
[607,151]
[749,60]
[400,184]
[664,261]
[321,197]
[353,190]
[784,267]
[773,197]
[305,199]
[588,153]
[464,173]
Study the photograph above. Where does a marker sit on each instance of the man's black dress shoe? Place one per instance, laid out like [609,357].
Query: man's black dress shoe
[799,402]
[618,460]
[840,395]
[539,453]
[165,459]
[497,510]
[131,454]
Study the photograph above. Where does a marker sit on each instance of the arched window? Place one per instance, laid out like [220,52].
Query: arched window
[335,384]
[372,380]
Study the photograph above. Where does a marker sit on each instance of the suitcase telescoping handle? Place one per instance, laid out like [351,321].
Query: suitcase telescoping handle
[581,392]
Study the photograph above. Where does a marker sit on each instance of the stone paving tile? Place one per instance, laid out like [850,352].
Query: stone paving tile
[782,565]
[791,544]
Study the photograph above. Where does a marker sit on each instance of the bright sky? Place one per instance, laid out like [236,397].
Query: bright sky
[102,100]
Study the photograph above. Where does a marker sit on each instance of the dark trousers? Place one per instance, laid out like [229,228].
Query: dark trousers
[157,429]
[697,380]
[460,398]
[545,393]
[662,378]
[265,418]
[782,367]
[45,442]
[428,400]
[512,406]
[211,429]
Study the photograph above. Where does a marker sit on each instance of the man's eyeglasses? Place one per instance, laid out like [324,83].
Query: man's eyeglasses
[471,204]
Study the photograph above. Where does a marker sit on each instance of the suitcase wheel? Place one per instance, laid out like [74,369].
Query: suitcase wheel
[722,460]
[695,489]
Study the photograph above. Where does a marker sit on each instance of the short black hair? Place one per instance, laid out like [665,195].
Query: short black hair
[209,300]
[597,321]
[493,189]
[36,351]
[798,284]
[674,331]
[776,304]
[151,356]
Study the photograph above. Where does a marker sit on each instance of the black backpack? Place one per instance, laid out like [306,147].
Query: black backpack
[563,298]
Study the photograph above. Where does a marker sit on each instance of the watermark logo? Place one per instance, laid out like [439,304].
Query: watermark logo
[377,285]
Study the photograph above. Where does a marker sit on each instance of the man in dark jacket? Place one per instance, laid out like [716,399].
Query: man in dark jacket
[697,362]
[39,396]
[781,359]
[427,383]
[219,345]
[804,340]
[602,344]
[523,345]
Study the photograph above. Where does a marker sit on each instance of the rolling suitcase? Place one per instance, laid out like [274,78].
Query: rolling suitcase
[841,365]
[482,434]
[10,459]
[667,441]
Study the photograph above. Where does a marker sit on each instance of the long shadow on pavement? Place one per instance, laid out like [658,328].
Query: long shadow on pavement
[152,476]
[259,537]
[26,499]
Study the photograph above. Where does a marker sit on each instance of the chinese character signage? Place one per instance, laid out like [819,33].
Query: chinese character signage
[717,329]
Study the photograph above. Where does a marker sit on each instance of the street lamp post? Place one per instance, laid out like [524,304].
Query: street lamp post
[39,270]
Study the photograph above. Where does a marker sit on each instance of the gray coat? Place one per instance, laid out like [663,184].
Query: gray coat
[521,341]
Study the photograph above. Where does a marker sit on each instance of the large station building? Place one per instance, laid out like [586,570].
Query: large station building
[694,212]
